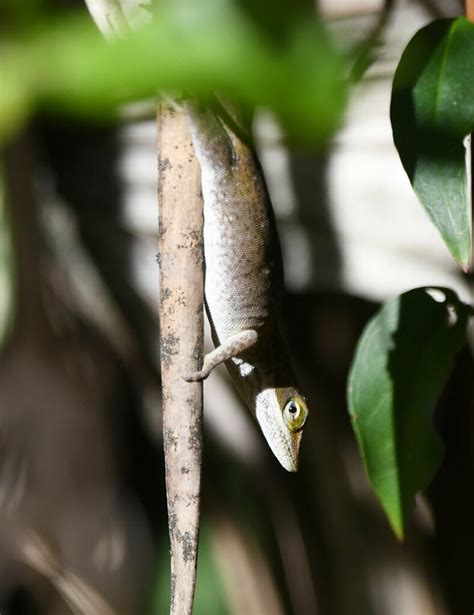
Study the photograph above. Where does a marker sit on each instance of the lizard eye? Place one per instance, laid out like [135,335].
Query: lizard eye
[294,414]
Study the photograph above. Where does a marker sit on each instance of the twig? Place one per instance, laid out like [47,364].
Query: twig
[365,52]
[79,595]
[181,319]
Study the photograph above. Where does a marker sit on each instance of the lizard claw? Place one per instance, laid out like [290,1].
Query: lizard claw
[196,376]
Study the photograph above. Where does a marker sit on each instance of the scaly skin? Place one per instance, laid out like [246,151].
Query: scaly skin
[244,281]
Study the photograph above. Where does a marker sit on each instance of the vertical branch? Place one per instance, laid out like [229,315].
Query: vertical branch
[182,326]
[181,320]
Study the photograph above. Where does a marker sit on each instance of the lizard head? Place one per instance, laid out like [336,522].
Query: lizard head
[281,413]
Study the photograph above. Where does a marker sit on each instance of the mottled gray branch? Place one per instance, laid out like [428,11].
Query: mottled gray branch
[181,320]
[182,327]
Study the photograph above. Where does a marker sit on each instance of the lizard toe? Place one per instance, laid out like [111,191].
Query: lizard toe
[196,376]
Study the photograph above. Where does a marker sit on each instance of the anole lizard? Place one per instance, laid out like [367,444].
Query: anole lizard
[244,280]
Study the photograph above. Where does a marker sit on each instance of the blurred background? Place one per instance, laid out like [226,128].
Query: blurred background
[83,525]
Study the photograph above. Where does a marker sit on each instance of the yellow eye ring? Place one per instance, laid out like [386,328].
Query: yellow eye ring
[294,414]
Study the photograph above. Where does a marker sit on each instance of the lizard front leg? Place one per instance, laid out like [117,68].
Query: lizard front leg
[233,346]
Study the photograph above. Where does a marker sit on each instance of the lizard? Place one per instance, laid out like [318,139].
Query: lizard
[244,279]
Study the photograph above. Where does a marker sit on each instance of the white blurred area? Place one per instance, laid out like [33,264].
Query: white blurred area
[385,241]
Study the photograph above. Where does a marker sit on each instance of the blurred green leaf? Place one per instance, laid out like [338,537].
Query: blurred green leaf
[401,365]
[66,66]
[432,111]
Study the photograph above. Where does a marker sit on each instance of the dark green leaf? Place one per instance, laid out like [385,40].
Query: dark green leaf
[432,111]
[402,362]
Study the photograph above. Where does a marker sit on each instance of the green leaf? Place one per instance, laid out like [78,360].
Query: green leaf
[401,365]
[65,65]
[432,111]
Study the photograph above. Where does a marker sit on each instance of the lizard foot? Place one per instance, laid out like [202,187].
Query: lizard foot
[231,347]
[197,376]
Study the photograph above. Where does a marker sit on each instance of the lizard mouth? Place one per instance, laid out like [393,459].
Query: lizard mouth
[284,444]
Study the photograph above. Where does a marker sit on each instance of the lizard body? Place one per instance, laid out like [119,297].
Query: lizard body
[244,281]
